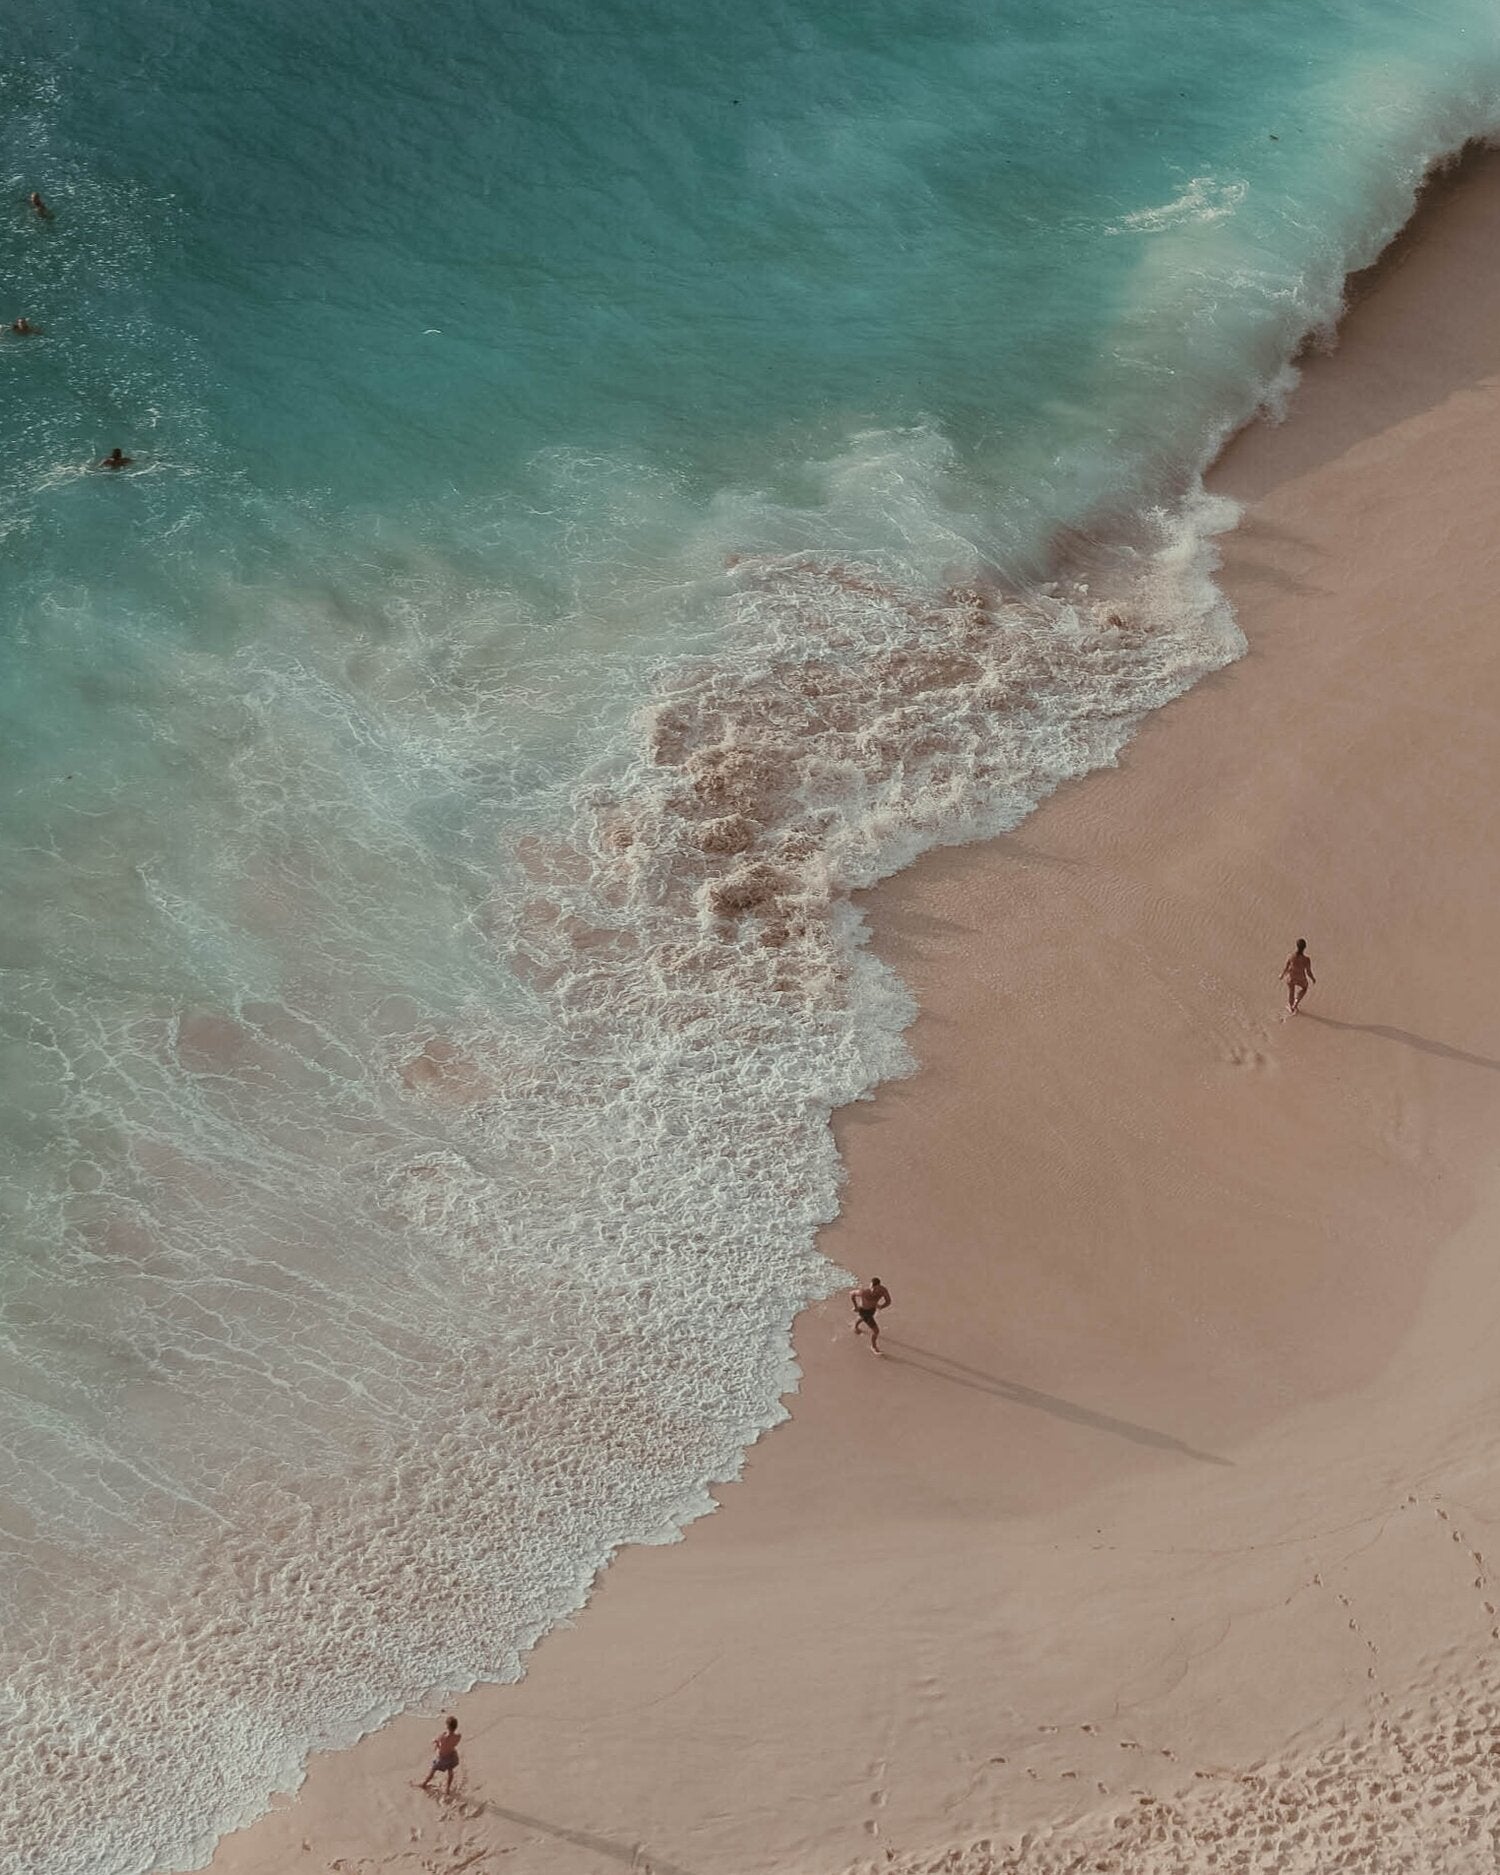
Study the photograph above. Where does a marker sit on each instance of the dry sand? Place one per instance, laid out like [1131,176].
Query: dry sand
[1168,1535]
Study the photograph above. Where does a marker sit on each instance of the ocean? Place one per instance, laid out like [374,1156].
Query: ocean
[607,484]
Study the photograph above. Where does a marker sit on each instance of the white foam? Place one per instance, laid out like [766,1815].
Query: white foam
[1204,199]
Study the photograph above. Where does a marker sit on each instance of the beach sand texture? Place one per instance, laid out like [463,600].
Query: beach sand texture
[1167,1534]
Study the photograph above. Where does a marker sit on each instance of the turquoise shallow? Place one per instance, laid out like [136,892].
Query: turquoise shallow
[606,481]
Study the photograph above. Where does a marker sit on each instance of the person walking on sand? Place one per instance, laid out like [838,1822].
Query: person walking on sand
[444,1757]
[1296,974]
[868,1302]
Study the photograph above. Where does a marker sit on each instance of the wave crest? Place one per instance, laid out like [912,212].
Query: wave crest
[857,720]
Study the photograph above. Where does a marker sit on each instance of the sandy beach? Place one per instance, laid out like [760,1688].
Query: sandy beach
[1167,1533]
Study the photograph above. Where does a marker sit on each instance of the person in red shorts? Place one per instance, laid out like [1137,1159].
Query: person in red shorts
[444,1757]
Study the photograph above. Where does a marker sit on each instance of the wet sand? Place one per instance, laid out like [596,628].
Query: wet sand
[1169,1527]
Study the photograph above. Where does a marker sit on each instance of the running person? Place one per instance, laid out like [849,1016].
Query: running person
[1296,974]
[444,1757]
[868,1302]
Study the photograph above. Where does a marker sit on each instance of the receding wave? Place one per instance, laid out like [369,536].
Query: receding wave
[545,1294]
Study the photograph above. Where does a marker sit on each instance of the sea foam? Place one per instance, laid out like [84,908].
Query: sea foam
[421,1322]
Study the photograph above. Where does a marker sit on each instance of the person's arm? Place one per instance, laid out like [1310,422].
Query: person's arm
[883,1300]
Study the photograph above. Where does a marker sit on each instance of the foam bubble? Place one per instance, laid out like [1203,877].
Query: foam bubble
[1202,200]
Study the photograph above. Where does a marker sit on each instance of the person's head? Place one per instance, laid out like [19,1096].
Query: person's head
[1301,944]
[117,454]
[453,1725]
[875,1283]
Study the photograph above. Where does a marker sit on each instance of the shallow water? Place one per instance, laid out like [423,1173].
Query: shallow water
[607,483]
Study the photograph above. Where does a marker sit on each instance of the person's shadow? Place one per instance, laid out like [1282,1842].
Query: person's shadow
[942,1367]
[632,1855]
[1404,1036]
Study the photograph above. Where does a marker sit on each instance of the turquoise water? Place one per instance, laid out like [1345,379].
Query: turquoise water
[607,482]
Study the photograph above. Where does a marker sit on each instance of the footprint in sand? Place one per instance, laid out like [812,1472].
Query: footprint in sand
[1241,1055]
[879,1796]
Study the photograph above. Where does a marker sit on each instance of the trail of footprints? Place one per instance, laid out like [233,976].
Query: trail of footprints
[1351,1620]
[878,1796]
[1419,1790]
[1073,1775]
[1372,1671]
[1481,1569]
[445,1844]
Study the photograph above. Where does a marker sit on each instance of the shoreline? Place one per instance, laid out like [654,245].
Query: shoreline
[1018,1501]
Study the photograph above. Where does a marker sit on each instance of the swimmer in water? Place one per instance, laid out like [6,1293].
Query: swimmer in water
[868,1302]
[24,329]
[444,1756]
[116,459]
[1296,974]
[38,207]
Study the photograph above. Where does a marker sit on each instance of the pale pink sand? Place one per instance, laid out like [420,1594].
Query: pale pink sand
[1185,1458]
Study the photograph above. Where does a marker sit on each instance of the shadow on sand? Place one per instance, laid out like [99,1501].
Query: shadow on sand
[631,1855]
[1404,1036]
[942,1368]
